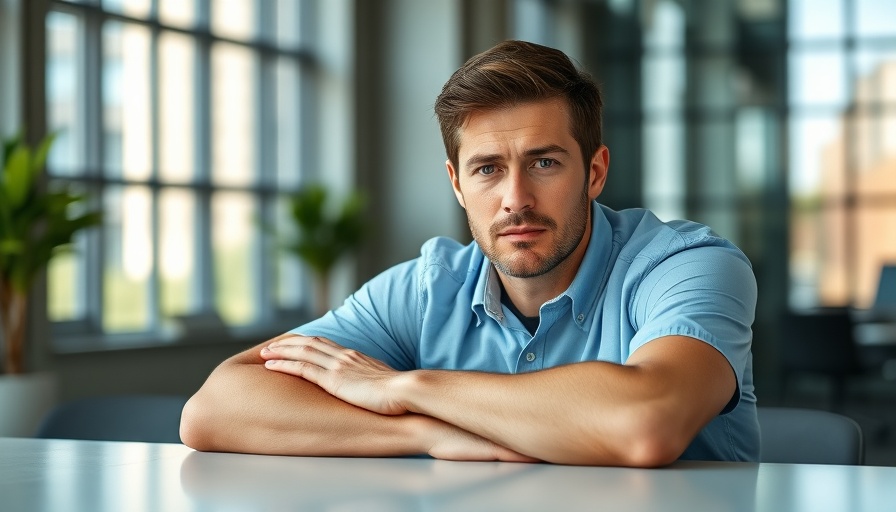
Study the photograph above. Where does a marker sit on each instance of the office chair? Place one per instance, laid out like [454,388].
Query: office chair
[886,288]
[808,436]
[820,342]
[146,418]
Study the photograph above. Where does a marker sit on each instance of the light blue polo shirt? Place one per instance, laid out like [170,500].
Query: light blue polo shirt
[640,279]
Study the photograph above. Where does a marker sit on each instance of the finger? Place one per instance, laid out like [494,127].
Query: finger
[322,344]
[305,370]
[298,353]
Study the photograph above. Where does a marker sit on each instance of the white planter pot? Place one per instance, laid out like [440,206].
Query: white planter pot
[24,400]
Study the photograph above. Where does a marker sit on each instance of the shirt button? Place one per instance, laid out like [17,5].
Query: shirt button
[580,318]
[530,357]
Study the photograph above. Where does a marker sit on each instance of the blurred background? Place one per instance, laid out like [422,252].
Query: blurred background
[189,122]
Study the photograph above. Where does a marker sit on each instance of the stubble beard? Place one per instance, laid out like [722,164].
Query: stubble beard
[519,262]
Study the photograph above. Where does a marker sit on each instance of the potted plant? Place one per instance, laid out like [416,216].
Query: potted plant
[324,234]
[36,223]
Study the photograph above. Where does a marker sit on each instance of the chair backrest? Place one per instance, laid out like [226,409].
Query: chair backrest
[807,436]
[146,418]
[886,289]
[819,341]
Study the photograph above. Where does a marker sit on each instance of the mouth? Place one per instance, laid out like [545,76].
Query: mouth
[521,233]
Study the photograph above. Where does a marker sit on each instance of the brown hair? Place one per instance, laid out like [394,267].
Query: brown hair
[514,72]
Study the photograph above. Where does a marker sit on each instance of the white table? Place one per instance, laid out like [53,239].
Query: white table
[57,475]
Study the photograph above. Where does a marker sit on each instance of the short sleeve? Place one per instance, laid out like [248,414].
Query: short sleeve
[707,293]
[380,320]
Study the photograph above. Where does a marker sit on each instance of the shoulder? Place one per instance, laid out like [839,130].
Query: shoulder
[446,256]
[641,235]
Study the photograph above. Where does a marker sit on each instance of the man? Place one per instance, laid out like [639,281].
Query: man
[567,332]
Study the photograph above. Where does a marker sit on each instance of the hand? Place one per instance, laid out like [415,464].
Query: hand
[450,442]
[346,374]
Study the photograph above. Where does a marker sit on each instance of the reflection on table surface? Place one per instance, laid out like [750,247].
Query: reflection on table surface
[98,476]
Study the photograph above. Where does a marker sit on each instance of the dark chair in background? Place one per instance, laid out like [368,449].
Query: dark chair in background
[146,418]
[806,436]
[820,342]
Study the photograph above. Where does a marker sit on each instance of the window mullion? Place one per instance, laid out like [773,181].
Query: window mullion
[204,264]
[92,128]
[154,299]
[266,164]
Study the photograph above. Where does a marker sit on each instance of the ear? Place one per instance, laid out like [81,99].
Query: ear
[597,171]
[455,182]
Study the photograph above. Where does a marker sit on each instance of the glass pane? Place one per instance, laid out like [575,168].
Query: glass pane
[288,119]
[177,107]
[664,82]
[664,24]
[712,160]
[663,165]
[179,13]
[712,82]
[877,77]
[816,19]
[233,18]
[127,133]
[66,298]
[135,8]
[757,148]
[233,115]
[234,242]
[291,281]
[63,88]
[289,21]
[818,78]
[873,146]
[875,18]
[129,259]
[872,249]
[816,157]
[818,259]
[177,252]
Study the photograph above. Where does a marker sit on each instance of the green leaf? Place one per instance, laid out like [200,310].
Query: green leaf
[325,234]
[40,155]
[34,225]
[17,176]
[9,145]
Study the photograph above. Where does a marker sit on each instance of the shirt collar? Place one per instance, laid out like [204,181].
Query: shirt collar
[487,295]
[584,290]
[591,278]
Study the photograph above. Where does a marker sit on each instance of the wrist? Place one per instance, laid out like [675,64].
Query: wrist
[423,431]
[405,389]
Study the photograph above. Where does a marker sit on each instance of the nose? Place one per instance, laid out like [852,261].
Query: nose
[518,195]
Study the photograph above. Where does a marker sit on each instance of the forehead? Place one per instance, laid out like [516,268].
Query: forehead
[536,122]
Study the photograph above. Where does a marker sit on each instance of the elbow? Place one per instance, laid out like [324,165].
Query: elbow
[651,440]
[652,452]
[194,426]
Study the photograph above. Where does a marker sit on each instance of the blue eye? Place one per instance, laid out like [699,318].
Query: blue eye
[544,163]
[486,170]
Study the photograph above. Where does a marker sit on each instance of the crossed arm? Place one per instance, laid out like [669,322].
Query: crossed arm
[302,395]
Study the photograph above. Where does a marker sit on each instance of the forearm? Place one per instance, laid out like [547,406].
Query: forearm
[245,408]
[644,413]
[562,415]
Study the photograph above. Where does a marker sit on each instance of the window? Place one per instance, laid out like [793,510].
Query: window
[772,121]
[183,121]
[842,99]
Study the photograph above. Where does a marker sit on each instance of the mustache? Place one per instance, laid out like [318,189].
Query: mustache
[525,217]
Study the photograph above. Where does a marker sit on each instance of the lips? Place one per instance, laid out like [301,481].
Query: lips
[521,230]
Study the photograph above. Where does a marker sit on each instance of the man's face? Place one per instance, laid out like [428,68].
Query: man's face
[524,186]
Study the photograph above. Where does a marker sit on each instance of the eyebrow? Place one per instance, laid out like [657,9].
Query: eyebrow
[484,158]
